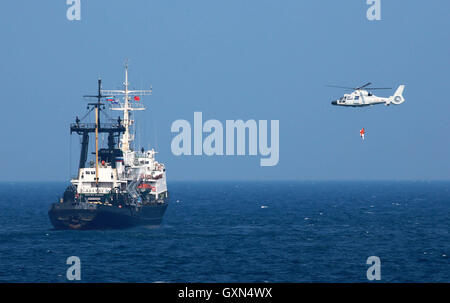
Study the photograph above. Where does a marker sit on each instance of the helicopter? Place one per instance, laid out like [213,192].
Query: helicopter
[361,96]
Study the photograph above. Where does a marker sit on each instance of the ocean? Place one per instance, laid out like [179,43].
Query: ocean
[241,232]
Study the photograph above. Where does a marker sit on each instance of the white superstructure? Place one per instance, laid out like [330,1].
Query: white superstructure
[134,172]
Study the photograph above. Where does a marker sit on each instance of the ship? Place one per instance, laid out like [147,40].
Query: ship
[120,187]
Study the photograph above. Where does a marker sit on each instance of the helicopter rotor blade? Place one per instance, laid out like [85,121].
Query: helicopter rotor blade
[346,87]
[365,85]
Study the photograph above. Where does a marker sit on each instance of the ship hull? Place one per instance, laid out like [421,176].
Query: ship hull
[75,216]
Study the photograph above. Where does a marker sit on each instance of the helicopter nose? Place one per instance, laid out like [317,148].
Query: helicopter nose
[333,102]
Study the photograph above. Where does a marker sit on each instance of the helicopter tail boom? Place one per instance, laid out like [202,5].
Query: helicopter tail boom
[397,98]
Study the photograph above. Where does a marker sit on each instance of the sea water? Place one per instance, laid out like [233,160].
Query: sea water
[240,232]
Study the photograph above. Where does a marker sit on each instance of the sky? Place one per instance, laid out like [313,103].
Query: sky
[230,60]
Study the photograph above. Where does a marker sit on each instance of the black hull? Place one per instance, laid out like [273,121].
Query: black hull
[76,216]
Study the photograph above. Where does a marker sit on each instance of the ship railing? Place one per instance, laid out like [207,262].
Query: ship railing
[89,126]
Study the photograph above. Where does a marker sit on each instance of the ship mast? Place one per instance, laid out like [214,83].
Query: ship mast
[97,106]
[96,144]
[127,107]
[126,115]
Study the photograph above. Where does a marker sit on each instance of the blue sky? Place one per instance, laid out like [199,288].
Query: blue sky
[261,60]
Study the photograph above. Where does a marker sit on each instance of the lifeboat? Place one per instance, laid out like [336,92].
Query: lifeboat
[146,186]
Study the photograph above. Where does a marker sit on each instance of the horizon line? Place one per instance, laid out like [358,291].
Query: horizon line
[255,180]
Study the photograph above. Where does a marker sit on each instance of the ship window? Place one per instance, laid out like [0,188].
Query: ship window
[356,97]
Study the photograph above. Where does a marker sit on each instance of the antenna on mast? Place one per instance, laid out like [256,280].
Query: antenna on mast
[127,107]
